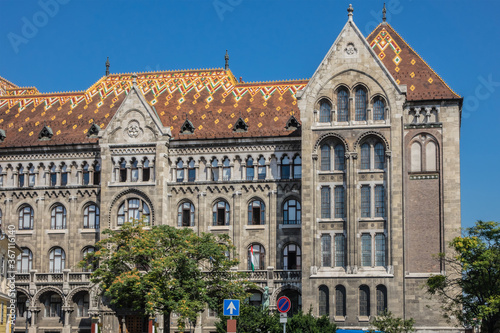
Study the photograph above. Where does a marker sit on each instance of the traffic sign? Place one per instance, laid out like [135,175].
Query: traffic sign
[231,307]
[284,304]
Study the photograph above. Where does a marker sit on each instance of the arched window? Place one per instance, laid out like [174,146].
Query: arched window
[381,299]
[430,156]
[133,209]
[31,176]
[180,171]
[250,169]
[291,212]
[53,305]
[134,170]
[379,156]
[360,104]
[215,170]
[25,261]
[64,175]
[262,168]
[226,169]
[416,157]
[365,156]
[58,217]
[297,167]
[256,212]
[364,301]
[57,260]
[85,174]
[325,157]
[325,112]
[285,167]
[378,109]
[191,171]
[123,171]
[340,301]
[90,267]
[256,257]
[81,300]
[53,176]
[146,170]
[220,213]
[20,176]
[324,306]
[91,217]
[185,215]
[26,217]
[342,105]
[339,157]
[292,257]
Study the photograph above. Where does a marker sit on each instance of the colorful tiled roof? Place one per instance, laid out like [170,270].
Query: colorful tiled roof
[407,67]
[5,85]
[211,99]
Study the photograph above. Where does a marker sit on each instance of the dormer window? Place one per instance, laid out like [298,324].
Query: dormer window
[292,124]
[187,127]
[46,133]
[240,125]
[93,131]
[2,135]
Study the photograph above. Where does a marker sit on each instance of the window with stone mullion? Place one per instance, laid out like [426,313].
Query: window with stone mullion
[325,202]
[366,250]
[360,104]
[326,250]
[339,202]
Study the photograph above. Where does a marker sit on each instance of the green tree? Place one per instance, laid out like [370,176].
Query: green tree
[471,290]
[307,323]
[386,322]
[164,269]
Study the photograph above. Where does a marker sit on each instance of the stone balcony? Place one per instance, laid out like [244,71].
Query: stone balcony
[66,280]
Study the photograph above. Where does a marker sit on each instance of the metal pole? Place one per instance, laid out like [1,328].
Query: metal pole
[284,327]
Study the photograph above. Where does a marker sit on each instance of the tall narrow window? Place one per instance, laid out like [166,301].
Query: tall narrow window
[342,105]
[226,169]
[180,171]
[215,170]
[262,168]
[325,112]
[91,217]
[26,216]
[339,157]
[220,213]
[326,250]
[364,301]
[325,202]
[297,167]
[57,259]
[1,218]
[123,171]
[366,250]
[381,299]
[250,169]
[339,202]
[291,212]
[58,217]
[146,170]
[365,201]
[292,257]
[185,215]
[20,177]
[430,156]
[339,250]
[25,261]
[380,250]
[365,156]
[134,170]
[256,212]
[64,175]
[257,258]
[340,301]
[285,168]
[378,109]
[191,171]
[53,305]
[379,156]
[360,104]
[53,176]
[324,309]
[379,201]
[416,157]
[325,157]
[97,174]
[85,174]
[83,305]
[31,176]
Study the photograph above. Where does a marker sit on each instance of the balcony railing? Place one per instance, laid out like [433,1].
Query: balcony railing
[65,277]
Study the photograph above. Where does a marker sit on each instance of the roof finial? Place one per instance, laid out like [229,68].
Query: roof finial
[107,67]
[384,11]
[134,79]
[226,57]
[349,12]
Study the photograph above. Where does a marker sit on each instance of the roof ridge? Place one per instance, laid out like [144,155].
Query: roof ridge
[418,55]
[169,71]
[4,79]
[272,82]
[42,95]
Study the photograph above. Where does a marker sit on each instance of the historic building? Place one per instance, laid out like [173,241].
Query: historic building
[345,184]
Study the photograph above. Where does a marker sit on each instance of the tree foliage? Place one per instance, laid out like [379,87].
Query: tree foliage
[163,269]
[386,322]
[471,289]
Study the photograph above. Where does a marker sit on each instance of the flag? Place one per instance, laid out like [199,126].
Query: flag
[252,258]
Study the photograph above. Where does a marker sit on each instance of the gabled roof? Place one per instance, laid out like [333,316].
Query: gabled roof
[407,67]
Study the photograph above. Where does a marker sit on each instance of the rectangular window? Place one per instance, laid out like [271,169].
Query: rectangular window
[365,201]
[146,174]
[285,171]
[31,180]
[339,250]
[21,179]
[325,202]
[123,175]
[86,178]
[366,250]
[186,217]
[64,178]
[262,172]
[339,202]
[250,172]
[379,250]
[191,175]
[326,250]
[180,175]
[379,201]
[226,173]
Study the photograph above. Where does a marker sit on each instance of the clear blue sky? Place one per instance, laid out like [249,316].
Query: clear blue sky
[267,40]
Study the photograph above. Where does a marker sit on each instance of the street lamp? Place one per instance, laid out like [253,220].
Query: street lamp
[27,312]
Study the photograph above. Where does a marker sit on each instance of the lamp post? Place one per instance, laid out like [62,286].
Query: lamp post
[27,313]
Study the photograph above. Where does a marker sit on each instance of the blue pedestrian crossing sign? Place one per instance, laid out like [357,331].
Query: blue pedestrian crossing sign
[231,307]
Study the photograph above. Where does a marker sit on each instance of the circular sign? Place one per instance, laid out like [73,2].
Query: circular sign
[284,304]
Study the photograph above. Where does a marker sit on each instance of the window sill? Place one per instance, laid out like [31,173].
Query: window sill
[117,184]
[56,231]
[219,228]
[24,232]
[88,231]
[290,226]
[363,318]
[337,219]
[255,227]
[339,318]
[372,219]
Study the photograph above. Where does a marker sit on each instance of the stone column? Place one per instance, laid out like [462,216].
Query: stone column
[67,324]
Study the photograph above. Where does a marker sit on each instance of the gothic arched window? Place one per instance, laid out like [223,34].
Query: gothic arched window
[325,112]
[58,217]
[291,212]
[220,213]
[185,215]
[26,217]
[360,104]
[342,105]
[91,217]
[133,209]
[57,260]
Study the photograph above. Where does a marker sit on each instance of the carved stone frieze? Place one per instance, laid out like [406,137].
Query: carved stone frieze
[237,149]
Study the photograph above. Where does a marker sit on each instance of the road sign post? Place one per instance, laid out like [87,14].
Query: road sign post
[231,307]
[284,306]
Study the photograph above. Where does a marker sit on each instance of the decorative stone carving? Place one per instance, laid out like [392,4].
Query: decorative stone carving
[133,129]
[350,50]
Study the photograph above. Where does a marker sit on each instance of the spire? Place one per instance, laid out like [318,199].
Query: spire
[107,67]
[384,11]
[349,12]
[226,57]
